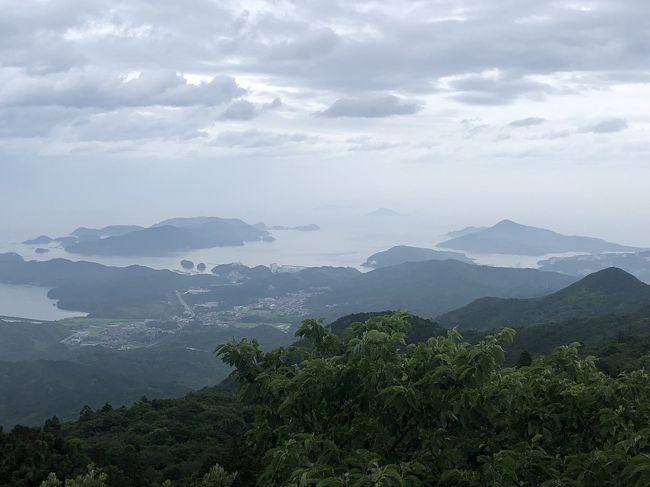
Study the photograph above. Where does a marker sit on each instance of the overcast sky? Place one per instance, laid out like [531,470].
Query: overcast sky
[465,111]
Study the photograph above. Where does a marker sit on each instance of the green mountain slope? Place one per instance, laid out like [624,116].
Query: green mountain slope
[43,377]
[597,333]
[26,340]
[432,287]
[610,291]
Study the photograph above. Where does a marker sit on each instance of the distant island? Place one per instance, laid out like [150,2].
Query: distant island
[42,240]
[109,231]
[508,237]
[169,236]
[464,231]
[404,253]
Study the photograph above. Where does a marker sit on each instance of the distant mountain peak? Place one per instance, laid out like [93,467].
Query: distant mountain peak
[608,280]
[11,257]
[509,223]
[383,212]
[613,273]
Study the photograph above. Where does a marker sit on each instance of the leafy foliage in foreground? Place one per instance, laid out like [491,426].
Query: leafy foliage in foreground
[366,409]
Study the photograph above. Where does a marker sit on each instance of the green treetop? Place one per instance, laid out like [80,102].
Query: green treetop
[366,409]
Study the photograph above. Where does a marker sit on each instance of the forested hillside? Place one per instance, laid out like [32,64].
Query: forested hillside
[599,332]
[41,377]
[432,287]
[362,406]
[610,291]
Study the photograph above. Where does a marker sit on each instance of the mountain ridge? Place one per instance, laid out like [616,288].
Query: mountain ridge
[432,287]
[610,291]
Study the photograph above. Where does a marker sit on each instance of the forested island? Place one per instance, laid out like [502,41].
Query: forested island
[508,237]
[405,253]
[169,236]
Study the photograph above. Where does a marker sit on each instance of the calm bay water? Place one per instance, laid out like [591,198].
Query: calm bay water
[30,302]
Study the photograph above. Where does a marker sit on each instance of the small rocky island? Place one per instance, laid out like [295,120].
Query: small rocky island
[188,265]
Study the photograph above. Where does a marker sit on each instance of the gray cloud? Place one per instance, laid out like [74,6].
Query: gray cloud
[607,126]
[409,51]
[342,46]
[311,44]
[68,65]
[276,103]
[527,122]
[32,122]
[378,107]
[482,90]
[98,89]
[240,110]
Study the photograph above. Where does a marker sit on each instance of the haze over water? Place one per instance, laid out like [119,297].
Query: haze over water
[31,302]
[340,242]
